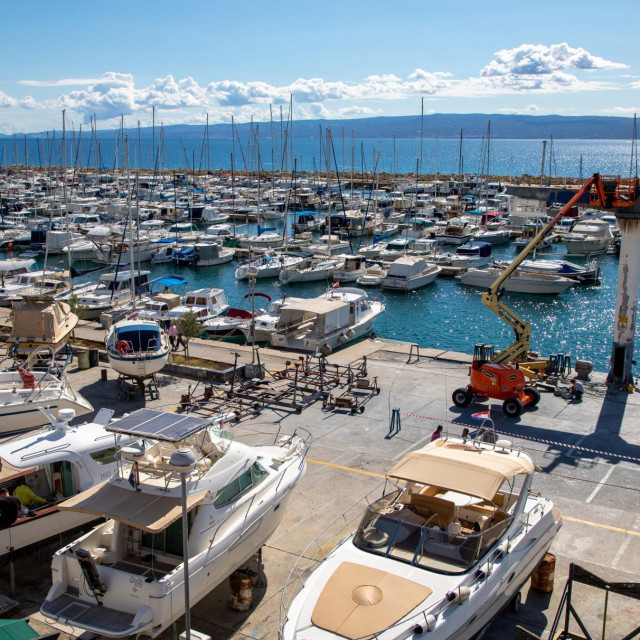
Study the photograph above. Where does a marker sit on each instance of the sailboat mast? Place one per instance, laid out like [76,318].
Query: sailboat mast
[131,259]
[64,192]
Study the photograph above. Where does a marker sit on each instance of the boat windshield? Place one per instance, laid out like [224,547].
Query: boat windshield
[431,532]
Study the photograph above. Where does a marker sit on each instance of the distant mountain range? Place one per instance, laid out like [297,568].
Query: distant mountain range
[474,125]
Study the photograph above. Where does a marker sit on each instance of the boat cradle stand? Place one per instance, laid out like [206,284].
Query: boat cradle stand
[128,386]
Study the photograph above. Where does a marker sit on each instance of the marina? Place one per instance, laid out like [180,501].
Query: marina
[215,422]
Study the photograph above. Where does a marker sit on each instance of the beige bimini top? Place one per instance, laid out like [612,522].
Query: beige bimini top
[460,467]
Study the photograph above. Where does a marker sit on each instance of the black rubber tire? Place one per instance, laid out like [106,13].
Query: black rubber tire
[462,397]
[515,602]
[361,409]
[512,407]
[534,394]
[378,391]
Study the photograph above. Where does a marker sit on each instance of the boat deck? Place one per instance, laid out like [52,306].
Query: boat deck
[71,610]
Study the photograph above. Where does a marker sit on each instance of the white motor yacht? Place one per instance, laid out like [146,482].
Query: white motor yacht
[409,273]
[205,303]
[203,254]
[314,325]
[351,269]
[455,535]
[520,281]
[131,568]
[113,289]
[588,237]
[59,460]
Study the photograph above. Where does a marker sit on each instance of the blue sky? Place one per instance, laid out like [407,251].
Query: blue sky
[344,59]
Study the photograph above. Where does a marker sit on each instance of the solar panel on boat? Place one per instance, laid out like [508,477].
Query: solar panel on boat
[158,425]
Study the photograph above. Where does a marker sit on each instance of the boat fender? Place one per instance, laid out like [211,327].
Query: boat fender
[342,339]
[123,347]
[429,624]
[351,334]
[502,549]
[459,595]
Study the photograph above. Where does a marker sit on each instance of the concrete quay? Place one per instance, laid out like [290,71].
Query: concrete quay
[588,454]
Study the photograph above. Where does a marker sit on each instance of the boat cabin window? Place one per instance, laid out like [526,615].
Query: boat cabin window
[105,456]
[190,301]
[201,301]
[250,478]
[168,541]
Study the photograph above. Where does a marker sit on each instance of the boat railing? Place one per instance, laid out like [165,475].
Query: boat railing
[334,534]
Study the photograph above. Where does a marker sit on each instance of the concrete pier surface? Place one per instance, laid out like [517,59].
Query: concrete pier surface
[588,453]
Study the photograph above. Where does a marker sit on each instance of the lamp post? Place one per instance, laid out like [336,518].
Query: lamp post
[253,272]
[183,461]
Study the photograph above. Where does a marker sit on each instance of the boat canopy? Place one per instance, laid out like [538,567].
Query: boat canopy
[171,281]
[463,468]
[138,509]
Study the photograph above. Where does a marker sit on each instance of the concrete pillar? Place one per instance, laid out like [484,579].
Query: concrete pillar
[624,328]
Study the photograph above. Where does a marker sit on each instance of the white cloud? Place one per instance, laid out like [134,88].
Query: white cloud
[64,82]
[621,111]
[527,69]
[355,111]
[537,59]
[530,108]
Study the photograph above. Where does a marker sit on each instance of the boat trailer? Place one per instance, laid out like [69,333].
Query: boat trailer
[299,384]
[355,396]
[215,400]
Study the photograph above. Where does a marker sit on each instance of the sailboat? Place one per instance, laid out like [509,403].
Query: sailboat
[137,347]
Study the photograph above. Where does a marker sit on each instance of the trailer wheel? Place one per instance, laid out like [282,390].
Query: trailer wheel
[515,602]
[361,409]
[462,397]
[533,394]
[512,407]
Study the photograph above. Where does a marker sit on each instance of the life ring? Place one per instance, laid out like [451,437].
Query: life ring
[123,347]
[374,538]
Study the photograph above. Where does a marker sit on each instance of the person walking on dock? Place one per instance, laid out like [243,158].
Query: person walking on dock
[437,433]
[173,335]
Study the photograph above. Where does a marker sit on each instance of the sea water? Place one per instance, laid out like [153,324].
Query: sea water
[507,157]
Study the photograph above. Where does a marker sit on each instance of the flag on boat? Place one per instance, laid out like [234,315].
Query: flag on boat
[482,415]
[336,284]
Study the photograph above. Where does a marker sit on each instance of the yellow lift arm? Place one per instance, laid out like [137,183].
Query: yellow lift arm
[491,298]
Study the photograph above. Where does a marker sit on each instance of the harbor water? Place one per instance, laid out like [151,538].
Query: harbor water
[450,316]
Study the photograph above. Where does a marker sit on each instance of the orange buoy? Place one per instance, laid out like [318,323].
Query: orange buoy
[543,574]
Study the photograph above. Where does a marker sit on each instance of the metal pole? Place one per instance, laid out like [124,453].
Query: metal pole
[185,555]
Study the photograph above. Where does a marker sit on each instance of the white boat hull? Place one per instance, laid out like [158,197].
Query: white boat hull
[409,284]
[533,284]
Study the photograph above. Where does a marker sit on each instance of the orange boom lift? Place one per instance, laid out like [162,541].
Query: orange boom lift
[501,375]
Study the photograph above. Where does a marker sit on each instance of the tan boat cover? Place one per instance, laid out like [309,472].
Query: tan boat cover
[136,508]
[359,601]
[462,468]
